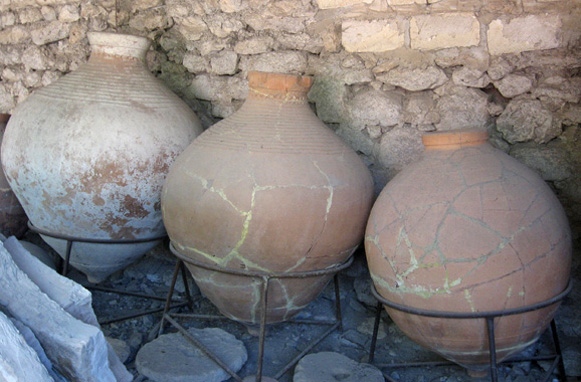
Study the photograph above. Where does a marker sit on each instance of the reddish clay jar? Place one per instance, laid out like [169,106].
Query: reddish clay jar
[87,155]
[12,216]
[468,229]
[268,189]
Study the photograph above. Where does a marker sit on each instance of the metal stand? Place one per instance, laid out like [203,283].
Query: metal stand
[265,280]
[489,318]
[66,263]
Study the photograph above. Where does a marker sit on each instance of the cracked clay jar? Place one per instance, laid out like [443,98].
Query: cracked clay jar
[87,155]
[468,229]
[268,189]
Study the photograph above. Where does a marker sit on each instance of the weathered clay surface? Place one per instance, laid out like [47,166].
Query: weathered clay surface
[269,189]
[87,155]
[468,229]
[12,216]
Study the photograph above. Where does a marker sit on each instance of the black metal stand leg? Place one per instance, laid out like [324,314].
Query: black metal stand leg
[557,344]
[189,298]
[174,278]
[67,261]
[492,349]
[375,332]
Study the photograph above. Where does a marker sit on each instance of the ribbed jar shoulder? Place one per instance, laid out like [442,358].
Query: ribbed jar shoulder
[265,124]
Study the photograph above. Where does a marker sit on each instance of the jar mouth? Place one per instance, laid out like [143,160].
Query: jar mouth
[455,138]
[118,44]
[279,83]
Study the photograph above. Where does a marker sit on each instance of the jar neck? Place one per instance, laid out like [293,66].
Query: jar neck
[454,139]
[124,46]
[278,86]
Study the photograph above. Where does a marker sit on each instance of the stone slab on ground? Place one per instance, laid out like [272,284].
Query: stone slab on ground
[333,367]
[69,295]
[172,358]
[18,361]
[62,336]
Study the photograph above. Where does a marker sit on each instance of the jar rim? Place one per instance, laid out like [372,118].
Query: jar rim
[458,137]
[118,40]
[279,82]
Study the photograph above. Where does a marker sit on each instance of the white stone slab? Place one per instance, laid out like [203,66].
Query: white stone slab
[71,296]
[18,361]
[77,350]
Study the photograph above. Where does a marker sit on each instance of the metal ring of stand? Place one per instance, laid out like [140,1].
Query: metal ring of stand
[66,262]
[489,317]
[265,277]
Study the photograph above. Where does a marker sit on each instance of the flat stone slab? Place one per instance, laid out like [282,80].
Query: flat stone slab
[18,361]
[172,358]
[333,367]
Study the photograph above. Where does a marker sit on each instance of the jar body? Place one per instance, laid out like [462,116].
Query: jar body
[268,189]
[469,229]
[88,154]
[12,216]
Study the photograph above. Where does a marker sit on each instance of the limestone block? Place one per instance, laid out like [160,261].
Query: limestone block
[419,109]
[230,6]
[471,77]
[460,107]
[374,107]
[446,30]
[172,358]
[7,101]
[356,139]
[29,15]
[63,337]
[372,36]
[282,62]
[327,4]
[192,28]
[223,26]
[300,41]
[37,58]
[406,2]
[215,88]
[195,63]
[557,87]
[143,5]
[513,85]
[329,96]
[331,367]
[475,57]
[18,361]
[48,13]
[524,120]
[7,19]
[69,13]
[533,32]
[414,79]
[14,35]
[259,22]
[50,32]
[224,62]
[399,147]
[499,67]
[254,45]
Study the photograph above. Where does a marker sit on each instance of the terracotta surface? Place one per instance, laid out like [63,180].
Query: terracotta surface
[12,216]
[272,189]
[468,229]
[87,155]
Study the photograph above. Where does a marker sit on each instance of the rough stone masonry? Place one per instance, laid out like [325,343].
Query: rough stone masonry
[385,70]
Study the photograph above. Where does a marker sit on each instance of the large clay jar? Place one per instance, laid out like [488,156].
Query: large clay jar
[87,155]
[12,216]
[468,229]
[268,189]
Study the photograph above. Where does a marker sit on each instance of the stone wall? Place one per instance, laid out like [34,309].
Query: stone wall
[385,70]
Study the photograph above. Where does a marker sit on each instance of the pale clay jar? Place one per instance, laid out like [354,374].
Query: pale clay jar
[468,229]
[269,189]
[87,155]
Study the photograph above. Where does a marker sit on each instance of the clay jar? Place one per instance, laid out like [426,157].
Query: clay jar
[87,155]
[12,216]
[468,229]
[268,189]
